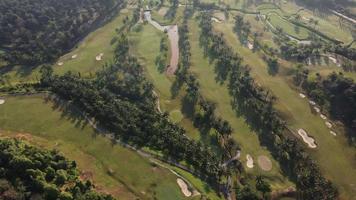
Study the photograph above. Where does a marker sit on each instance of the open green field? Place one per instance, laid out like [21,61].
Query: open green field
[333,154]
[131,176]
[289,28]
[99,41]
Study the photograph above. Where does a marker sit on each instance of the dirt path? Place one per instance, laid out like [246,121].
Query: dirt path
[172,32]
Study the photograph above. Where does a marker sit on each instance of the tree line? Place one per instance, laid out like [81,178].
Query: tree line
[335,93]
[27,172]
[36,32]
[203,110]
[256,104]
[121,100]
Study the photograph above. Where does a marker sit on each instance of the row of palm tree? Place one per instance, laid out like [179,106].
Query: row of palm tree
[256,104]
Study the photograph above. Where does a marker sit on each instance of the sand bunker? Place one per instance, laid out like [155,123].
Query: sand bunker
[214,19]
[312,102]
[249,45]
[317,109]
[249,162]
[184,187]
[328,124]
[323,117]
[302,95]
[264,163]
[74,56]
[2,101]
[333,133]
[60,63]
[308,140]
[99,57]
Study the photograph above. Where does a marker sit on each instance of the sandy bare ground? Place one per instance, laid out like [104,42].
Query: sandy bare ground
[264,163]
[60,63]
[302,95]
[308,140]
[328,124]
[214,19]
[74,56]
[173,38]
[99,56]
[316,109]
[333,133]
[249,45]
[249,162]
[162,11]
[312,103]
[323,117]
[184,187]
[2,101]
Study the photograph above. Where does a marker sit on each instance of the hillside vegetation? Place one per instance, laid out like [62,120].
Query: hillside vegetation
[34,32]
[28,172]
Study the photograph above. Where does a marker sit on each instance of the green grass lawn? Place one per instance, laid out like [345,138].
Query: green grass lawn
[334,155]
[133,176]
[289,28]
[145,45]
[329,24]
[219,94]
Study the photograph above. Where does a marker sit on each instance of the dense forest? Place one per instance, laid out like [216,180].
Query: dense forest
[335,94]
[256,104]
[27,172]
[38,31]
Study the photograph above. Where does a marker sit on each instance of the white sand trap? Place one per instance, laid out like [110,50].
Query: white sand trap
[306,18]
[184,187]
[333,133]
[302,95]
[323,117]
[99,57]
[317,109]
[249,162]
[264,163]
[249,45]
[2,101]
[74,56]
[214,19]
[60,63]
[308,140]
[312,102]
[334,60]
[328,124]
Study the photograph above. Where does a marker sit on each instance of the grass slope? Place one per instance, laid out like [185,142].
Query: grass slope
[31,114]
[334,155]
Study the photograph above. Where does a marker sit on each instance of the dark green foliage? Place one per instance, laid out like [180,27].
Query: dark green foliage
[121,100]
[38,31]
[256,104]
[337,94]
[27,172]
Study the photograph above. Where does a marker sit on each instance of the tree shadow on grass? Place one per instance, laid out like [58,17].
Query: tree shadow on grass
[71,113]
